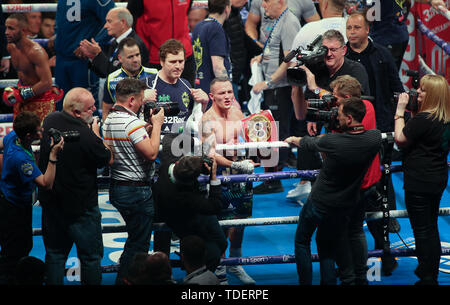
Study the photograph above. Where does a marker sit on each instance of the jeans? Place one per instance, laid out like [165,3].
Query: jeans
[353,265]
[330,240]
[59,235]
[16,237]
[135,204]
[423,214]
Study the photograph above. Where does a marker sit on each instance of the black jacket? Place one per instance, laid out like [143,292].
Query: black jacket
[103,66]
[75,186]
[386,81]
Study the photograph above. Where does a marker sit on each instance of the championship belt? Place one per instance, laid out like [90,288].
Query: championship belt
[260,127]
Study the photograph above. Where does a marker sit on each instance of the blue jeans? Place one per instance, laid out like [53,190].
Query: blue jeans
[135,204]
[331,241]
[59,235]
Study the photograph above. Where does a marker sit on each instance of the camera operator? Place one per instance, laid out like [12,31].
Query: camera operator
[70,212]
[135,145]
[335,64]
[182,205]
[336,191]
[425,144]
[20,175]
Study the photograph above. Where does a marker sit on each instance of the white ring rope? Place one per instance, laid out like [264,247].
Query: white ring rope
[264,221]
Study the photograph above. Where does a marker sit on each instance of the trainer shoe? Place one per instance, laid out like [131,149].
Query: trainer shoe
[221,273]
[240,273]
[268,187]
[301,191]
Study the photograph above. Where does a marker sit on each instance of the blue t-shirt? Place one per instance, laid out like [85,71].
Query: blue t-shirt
[209,39]
[18,172]
[78,20]
[389,30]
[179,92]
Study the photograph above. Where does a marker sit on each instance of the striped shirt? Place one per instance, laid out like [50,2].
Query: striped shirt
[122,131]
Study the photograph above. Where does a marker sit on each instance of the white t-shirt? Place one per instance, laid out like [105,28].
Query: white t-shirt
[122,131]
[312,29]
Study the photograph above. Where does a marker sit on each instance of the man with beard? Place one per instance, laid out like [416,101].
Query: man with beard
[70,212]
[34,90]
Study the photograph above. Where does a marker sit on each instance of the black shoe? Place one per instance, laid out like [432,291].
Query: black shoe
[388,267]
[268,187]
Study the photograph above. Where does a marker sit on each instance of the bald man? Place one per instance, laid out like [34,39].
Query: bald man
[70,212]
[34,90]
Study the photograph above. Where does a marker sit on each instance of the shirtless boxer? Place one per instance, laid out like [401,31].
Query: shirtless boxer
[34,90]
[223,122]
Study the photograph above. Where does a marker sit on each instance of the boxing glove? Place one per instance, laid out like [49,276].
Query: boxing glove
[11,96]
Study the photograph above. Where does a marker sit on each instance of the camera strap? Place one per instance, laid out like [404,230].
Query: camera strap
[357,128]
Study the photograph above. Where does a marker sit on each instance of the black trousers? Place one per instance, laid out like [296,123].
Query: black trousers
[423,212]
[16,237]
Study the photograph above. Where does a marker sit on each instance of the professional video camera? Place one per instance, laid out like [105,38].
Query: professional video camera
[323,110]
[312,57]
[170,109]
[69,136]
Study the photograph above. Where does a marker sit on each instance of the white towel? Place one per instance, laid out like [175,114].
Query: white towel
[254,104]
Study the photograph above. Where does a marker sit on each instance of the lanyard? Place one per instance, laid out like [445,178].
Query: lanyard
[273,27]
[25,150]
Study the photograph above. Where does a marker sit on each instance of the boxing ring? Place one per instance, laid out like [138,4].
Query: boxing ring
[271,228]
[262,227]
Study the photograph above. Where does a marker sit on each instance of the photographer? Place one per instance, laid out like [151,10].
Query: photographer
[20,175]
[336,192]
[184,207]
[425,144]
[70,212]
[135,145]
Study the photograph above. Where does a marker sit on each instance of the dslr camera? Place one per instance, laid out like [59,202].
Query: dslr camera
[69,136]
[170,109]
[323,110]
[412,102]
[312,57]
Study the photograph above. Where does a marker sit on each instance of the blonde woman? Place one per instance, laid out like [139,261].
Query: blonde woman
[424,139]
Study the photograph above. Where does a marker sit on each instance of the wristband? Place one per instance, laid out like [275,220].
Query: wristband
[398,117]
[52,161]
[269,84]
[27,93]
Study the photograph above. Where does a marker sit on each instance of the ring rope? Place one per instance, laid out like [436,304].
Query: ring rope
[287,258]
[264,221]
[436,39]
